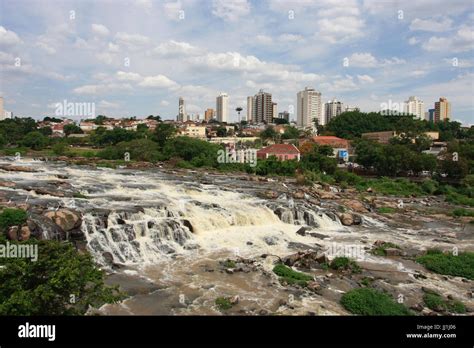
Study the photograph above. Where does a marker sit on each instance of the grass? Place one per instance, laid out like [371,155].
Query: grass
[462,212]
[223,303]
[366,281]
[229,264]
[381,249]
[457,198]
[437,303]
[12,217]
[290,276]
[79,195]
[368,301]
[392,187]
[461,265]
[386,210]
[344,263]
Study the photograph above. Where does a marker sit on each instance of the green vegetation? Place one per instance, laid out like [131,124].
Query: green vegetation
[386,210]
[12,217]
[368,301]
[61,281]
[290,276]
[344,263]
[366,281]
[79,195]
[229,264]
[223,303]
[437,303]
[461,265]
[381,249]
[463,212]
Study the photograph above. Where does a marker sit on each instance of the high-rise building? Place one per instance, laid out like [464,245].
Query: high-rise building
[208,114]
[442,110]
[274,110]
[415,106]
[308,108]
[430,115]
[333,109]
[285,115]
[222,107]
[181,110]
[263,107]
[250,109]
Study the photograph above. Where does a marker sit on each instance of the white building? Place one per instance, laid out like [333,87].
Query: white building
[222,107]
[181,110]
[4,114]
[275,111]
[308,108]
[333,109]
[250,109]
[415,106]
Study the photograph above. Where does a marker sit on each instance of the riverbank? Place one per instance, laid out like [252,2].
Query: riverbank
[176,240]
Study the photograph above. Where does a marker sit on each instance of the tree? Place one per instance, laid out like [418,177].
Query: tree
[48,285]
[52,119]
[3,141]
[72,129]
[163,133]
[291,133]
[156,118]
[139,150]
[352,124]
[221,131]
[35,140]
[268,133]
[46,131]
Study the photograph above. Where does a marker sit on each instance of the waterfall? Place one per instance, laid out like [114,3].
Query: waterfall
[134,217]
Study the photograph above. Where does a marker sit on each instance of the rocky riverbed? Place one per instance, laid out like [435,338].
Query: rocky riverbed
[177,240]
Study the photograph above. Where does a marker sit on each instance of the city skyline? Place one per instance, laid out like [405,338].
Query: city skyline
[198,48]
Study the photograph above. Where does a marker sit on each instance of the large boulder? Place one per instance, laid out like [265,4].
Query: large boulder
[354,205]
[67,219]
[348,219]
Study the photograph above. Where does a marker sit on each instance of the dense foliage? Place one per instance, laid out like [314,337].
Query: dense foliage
[368,301]
[61,281]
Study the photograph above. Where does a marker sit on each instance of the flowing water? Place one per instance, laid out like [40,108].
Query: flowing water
[169,231]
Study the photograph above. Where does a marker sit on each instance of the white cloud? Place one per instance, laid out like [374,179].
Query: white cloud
[413,41]
[363,79]
[230,10]
[174,48]
[263,39]
[100,29]
[108,105]
[433,24]
[164,103]
[8,37]
[172,9]
[128,76]
[131,39]
[418,73]
[158,81]
[146,4]
[339,29]
[367,60]
[102,89]
[462,41]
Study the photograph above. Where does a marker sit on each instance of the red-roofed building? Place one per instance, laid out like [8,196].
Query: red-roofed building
[283,152]
[334,142]
[341,147]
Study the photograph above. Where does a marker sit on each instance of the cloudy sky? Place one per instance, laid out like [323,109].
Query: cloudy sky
[135,58]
